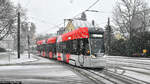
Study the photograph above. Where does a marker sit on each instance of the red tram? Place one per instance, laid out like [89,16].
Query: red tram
[82,47]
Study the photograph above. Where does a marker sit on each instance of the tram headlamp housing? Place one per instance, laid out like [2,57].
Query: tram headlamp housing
[88,52]
[104,55]
[93,56]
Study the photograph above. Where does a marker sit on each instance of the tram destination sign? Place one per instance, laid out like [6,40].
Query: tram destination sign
[97,35]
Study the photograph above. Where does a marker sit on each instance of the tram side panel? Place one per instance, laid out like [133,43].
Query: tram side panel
[74,52]
[49,51]
[54,51]
[74,48]
[44,50]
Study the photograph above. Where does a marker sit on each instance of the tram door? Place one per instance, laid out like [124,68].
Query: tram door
[84,52]
[81,52]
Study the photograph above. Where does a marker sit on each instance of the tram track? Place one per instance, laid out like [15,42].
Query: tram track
[93,78]
[127,61]
[104,76]
[130,58]
[96,79]
[141,72]
[127,65]
[83,72]
[138,74]
[124,78]
[119,79]
[120,63]
[100,74]
[108,77]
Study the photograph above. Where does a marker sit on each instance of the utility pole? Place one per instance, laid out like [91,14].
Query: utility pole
[28,46]
[109,35]
[29,39]
[18,36]
[93,23]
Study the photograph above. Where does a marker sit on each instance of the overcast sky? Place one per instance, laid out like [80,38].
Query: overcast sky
[48,13]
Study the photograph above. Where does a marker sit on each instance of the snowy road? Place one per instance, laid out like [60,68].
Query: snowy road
[119,70]
[143,63]
[43,71]
[131,67]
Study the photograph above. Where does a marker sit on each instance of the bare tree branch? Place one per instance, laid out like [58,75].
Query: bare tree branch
[130,16]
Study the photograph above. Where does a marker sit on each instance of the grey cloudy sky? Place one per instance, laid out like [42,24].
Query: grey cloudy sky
[48,13]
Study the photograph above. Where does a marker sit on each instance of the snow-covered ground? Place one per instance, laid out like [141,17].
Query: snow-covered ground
[134,67]
[39,71]
[128,61]
[11,58]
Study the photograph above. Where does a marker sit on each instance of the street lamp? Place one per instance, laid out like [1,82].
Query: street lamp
[28,36]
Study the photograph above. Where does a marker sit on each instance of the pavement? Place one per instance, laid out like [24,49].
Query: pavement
[37,70]
[8,58]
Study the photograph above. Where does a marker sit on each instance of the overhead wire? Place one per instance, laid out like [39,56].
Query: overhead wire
[87,8]
[49,25]
[57,26]
[83,11]
[92,5]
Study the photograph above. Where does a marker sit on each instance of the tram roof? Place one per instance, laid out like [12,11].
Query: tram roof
[51,40]
[40,42]
[79,33]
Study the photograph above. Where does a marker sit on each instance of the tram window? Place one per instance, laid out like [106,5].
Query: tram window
[61,47]
[45,47]
[65,47]
[74,44]
[54,48]
[69,46]
[49,47]
[58,47]
[74,47]
[39,48]
[80,47]
[84,47]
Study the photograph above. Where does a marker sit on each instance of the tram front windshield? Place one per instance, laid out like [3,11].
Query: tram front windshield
[97,43]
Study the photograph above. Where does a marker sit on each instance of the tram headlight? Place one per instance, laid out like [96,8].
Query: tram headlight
[92,56]
[88,52]
[104,56]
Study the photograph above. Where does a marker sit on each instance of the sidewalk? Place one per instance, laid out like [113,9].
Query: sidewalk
[11,58]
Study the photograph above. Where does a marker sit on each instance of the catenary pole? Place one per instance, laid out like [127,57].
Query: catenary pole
[109,36]
[18,36]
